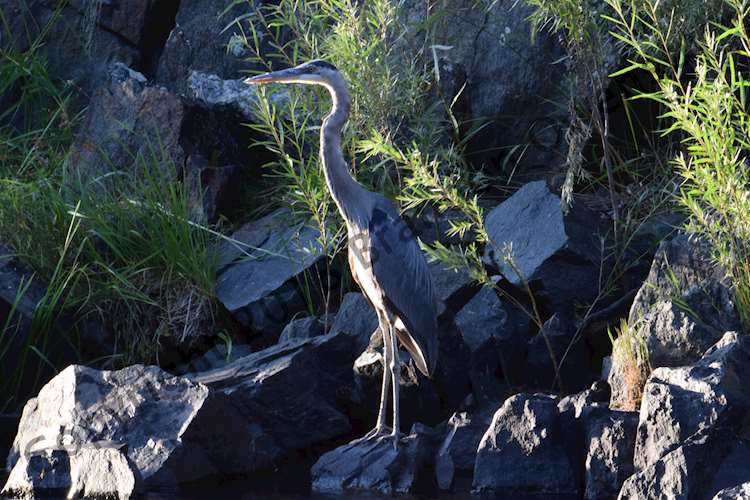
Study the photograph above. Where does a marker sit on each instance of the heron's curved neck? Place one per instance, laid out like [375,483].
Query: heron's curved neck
[344,189]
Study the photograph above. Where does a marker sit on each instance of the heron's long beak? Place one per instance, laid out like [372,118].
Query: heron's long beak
[283,76]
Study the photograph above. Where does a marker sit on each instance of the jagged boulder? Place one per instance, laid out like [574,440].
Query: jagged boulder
[257,271]
[691,439]
[679,402]
[128,121]
[235,420]
[496,334]
[557,254]
[682,309]
[523,453]
[374,466]
[305,328]
[82,406]
[452,287]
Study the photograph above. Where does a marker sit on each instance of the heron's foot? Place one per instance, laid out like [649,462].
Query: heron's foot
[378,433]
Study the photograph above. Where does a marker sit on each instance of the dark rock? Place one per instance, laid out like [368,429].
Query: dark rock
[692,435]
[522,451]
[305,328]
[680,402]
[557,254]
[739,492]
[375,466]
[708,462]
[128,123]
[610,443]
[458,451]
[682,309]
[205,38]
[83,38]
[490,50]
[284,399]
[495,333]
[214,191]
[82,406]
[257,269]
[599,392]
[569,353]
[685,305]
[81,472]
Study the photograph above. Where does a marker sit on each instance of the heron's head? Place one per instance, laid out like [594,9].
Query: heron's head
[315,72]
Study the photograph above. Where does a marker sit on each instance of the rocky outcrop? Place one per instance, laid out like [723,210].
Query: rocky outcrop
[82,406]
[270,405]
[682,309]
[739,492]
[375,466]
[557,254]
[257,268]
[523,453]
[207,37]
[609,445]
[693,420]
[489,49]
[128,122]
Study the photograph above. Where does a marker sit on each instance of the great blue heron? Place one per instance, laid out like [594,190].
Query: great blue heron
[384,256]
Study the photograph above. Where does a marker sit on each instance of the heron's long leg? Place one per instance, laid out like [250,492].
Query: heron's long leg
[386,379]
[395,368]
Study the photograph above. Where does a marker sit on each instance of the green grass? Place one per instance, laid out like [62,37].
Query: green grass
[125,254]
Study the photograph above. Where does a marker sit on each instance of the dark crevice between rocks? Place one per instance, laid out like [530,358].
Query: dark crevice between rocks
[160,22]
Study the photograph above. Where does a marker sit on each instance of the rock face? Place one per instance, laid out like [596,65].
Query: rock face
[522,451]
[489,48]
[128,122]
[693,425]
[267,405]
[82,406]
[205,38]
[82,472]
[685,305]
[256,276]
[557,254]
[374,465]
[496,334]
[453,288]
[683,309]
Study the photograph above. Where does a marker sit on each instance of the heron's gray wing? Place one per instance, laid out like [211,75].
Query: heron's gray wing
[400,269]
